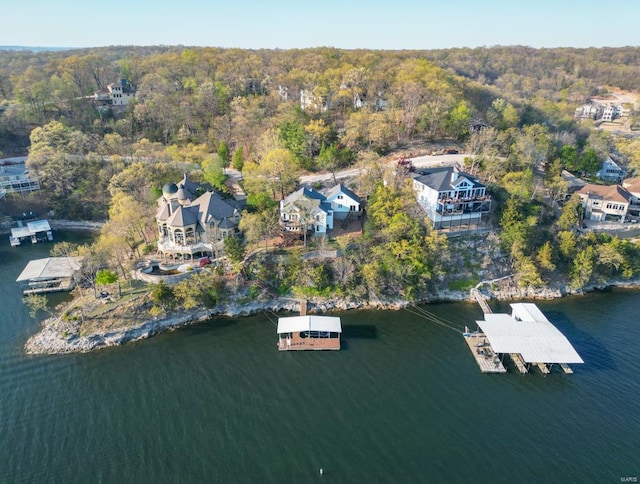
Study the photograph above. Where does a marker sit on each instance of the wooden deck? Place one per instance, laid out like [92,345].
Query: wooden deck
[481,350]
[520,364]
[543,368]
[481,301]
[566,368]
[301,344]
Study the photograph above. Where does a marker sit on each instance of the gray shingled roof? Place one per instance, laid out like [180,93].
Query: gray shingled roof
[440,178]
[212,205]
[183,216]
[163,212]
[341,188]
[304,192]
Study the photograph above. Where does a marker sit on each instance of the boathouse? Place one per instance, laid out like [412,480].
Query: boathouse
[52,274]
[528,337]
[36,231]
[309,333]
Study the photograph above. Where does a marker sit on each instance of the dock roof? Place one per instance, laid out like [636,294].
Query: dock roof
[529,333]
[49,268]
[31,228]
[296,324]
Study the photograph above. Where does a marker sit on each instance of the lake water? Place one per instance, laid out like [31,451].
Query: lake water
[403,402]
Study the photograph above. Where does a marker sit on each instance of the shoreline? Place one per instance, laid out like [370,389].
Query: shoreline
[51,338]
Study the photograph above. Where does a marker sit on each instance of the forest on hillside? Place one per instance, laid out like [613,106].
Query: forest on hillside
[204,109]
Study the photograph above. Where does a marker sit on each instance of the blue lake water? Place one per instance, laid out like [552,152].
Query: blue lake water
[403,402]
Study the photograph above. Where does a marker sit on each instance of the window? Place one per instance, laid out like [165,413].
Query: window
[340,197]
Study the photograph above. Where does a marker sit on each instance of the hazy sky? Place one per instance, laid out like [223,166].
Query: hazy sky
[373,24]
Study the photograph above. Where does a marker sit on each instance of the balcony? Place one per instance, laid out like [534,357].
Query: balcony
[166,245]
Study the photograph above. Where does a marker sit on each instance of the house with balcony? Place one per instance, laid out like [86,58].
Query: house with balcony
[632,185]
[610,171]
[604,202]
[119,93]
[15,178]
[451,198]
[589,111]
[193,222]
[308,210]
[344,203]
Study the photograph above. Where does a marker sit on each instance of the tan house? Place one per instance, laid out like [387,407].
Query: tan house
[605,203]
[632,185]
[192,226]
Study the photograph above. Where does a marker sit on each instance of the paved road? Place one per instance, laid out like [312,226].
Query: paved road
[428,161]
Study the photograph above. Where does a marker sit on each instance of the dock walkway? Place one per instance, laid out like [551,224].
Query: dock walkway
[481,301]
[481,350]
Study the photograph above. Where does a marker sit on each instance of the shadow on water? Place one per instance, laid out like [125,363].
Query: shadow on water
[595,355]
[359,331]
[219,322]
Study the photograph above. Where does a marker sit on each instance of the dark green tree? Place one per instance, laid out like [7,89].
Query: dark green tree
[234,248]
[224,154]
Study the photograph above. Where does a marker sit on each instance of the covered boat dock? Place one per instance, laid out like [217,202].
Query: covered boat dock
[35,231]
[309,333]
[529,338]
[52,274]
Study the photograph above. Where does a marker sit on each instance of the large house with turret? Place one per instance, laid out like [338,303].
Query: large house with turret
[193,222]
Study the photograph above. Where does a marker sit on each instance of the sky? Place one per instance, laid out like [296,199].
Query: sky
[346,24]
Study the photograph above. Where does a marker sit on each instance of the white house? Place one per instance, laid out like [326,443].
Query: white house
[310,210]
[450,197]
[119,93]
[609,113]
[344,202]
[610,171]
[592,111]
[314,102]
[306,210]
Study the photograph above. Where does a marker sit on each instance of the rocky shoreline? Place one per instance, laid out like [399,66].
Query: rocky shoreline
[54,337]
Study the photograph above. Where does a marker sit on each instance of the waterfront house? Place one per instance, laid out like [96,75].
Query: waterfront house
[306,210]
[310,210]
[450,197]
[192,226]
[632,185]
[604,202]
[344,203]
[15,178]
[309,333]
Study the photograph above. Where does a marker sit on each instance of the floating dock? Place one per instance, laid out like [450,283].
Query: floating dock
[487,360]
[526,335]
